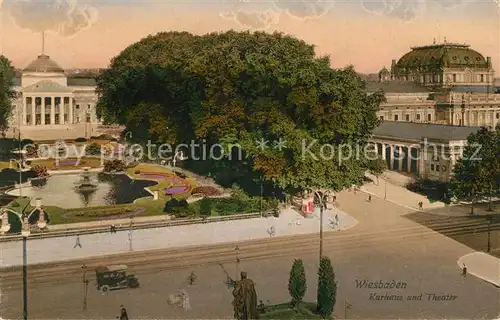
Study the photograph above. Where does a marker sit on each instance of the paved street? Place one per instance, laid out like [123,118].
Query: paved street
[383,246]
[61,249]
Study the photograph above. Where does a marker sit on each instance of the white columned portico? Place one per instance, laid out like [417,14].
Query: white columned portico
[42,111]
[61,111]
[23,121]
[70,111]
[33,111]
[400,158]
[53,110]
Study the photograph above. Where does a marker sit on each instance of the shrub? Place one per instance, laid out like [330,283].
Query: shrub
[114,166]
[180,174]
[327,288]
[24,142]
[14,204]
[40,171]
[137,172]
[206,207]
[105,137]
[94,149]
[81,139]
[297,284]
[114,140]
[175,206]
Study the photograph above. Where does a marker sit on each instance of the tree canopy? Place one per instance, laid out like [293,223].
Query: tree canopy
[239,88]
[477,172]
[6,92]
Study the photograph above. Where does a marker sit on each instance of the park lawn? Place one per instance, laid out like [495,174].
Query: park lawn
[304,310]
[50,164]
[56,214]
[4,165]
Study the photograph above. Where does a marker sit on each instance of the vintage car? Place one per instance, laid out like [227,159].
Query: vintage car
[114,277]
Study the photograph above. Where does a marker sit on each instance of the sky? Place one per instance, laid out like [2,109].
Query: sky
[365,33]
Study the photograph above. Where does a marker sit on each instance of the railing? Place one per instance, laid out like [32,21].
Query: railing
[134,226]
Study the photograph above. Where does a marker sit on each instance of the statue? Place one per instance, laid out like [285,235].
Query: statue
[245,299]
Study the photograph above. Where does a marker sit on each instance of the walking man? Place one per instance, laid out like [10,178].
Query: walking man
[420,205]
[77,244]
[370,198]
[271,231]
[336,219]
[123,313]
[464,270]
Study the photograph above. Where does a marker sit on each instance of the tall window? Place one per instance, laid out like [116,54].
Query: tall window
[396,118]
[407,117]
[418,116]
[454,77]
[482,78]
[429,117]
[382,118]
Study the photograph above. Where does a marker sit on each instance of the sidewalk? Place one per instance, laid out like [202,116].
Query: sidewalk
[398,194]
[92,245]
[482,266]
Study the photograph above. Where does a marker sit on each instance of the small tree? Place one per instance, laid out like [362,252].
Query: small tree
[297,284]
[327,288]
[206,207]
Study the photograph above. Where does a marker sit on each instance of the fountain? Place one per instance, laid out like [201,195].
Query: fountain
[85,183]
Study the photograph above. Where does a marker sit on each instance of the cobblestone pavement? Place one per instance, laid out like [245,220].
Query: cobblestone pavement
[66,248]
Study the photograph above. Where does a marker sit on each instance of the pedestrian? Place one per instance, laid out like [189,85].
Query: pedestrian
[336,219]
[192,278]
[271,231]
[369,198]
[332,223]
[185,300]
[464,270]
[77,244]
[420,205]
[123,313]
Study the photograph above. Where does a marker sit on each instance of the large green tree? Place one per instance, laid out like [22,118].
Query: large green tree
[6,92]
[238,88]
[476,173]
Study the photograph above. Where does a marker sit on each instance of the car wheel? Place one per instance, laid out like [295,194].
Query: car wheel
[104,288]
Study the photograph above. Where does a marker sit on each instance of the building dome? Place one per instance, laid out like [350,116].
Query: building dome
[43,64]
[438,56]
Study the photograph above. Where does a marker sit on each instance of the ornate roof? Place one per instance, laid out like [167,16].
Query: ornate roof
[447,55]
[43,64]
[46,86]
[418,131]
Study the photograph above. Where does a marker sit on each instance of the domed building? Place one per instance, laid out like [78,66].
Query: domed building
[51,105]
[448,65]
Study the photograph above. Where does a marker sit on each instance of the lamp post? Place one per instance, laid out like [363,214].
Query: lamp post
[261,195]
[489,233]
[25,232]
[130,233]
[85,284]
[323,199]
[385,188]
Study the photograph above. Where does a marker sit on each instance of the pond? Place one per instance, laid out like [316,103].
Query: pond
[60,191]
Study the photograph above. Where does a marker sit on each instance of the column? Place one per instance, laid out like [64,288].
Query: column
[400,158]
[391,157]
[492,113]
[33,111]
[421,162]
[53,110]
[70,114]
[61,111]
[408,160]
[25,102]
[42,112]
[384,150]
[494,119]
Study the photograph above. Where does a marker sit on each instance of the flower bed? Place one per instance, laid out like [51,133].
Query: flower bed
[207,191]
[104,213]
[68,163]
[155,175]
[176,190]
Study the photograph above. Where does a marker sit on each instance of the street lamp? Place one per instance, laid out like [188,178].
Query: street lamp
[85,283]
[130,233]
[261,195]
[324,196]
[25,232]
